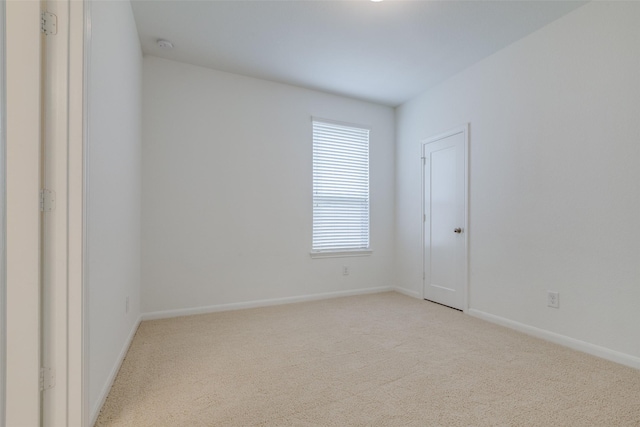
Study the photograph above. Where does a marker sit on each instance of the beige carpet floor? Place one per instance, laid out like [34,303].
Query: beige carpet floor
[373,360]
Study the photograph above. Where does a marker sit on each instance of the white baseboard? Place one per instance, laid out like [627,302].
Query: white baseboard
[260,303]
[95,411]
[585,347]
[408,292]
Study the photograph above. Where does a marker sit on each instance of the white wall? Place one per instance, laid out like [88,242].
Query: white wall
[227,190]
[555,177]
[113,193]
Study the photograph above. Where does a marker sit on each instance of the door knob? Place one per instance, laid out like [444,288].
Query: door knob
[457,230]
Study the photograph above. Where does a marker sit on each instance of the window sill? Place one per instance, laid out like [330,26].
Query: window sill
[340,254]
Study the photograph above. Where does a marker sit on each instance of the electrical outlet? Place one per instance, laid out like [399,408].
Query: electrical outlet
[553,299]
[126,305]
[345,270]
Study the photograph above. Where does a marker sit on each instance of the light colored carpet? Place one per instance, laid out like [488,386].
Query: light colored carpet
[373,360]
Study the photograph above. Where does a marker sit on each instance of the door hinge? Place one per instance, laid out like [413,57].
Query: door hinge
[48,23]
[47,200]
[47,378]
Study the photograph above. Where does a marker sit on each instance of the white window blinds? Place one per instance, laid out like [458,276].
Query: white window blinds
[340,187]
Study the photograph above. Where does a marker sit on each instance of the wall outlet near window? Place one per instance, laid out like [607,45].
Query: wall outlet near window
[553,299]
[345,270]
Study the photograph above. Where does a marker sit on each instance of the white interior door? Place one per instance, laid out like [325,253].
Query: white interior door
[44,313]
[445,219]
[3,204]
[22,213]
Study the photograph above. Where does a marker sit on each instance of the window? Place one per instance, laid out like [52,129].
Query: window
[340,188]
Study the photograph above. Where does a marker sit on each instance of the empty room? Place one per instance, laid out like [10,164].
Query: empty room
[367,213]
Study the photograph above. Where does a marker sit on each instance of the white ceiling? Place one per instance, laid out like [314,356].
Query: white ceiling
[384,52]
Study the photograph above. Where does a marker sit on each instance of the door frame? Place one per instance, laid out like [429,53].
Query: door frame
[65,78]
[464,129]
